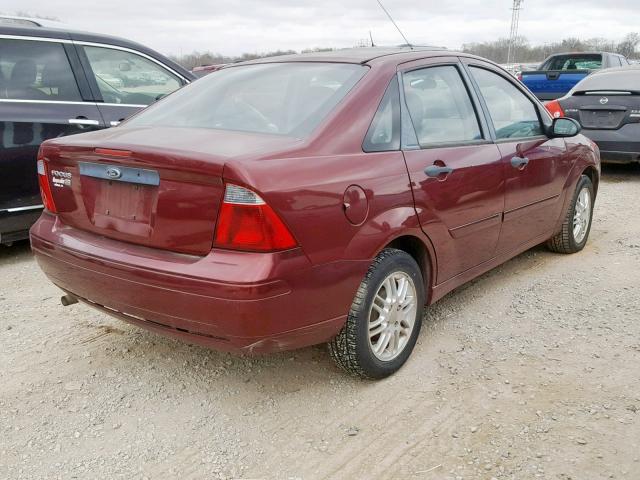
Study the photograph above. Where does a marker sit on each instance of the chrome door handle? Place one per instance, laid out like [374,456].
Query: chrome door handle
[83,121]
[519,162]
[436,171]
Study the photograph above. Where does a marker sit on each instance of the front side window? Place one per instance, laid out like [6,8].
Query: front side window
[127,78]
[34,70]
[276,98]
[440,107]
[512,113]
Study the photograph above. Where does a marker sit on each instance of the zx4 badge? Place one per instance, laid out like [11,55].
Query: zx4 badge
[61,179]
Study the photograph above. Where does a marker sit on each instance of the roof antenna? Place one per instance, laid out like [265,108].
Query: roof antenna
[371,37]
[394,24]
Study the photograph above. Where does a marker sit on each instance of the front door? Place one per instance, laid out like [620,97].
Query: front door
[39,99]
[455,169]
[535,167]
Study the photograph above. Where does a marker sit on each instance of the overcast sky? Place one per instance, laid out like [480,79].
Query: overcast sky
[234,27]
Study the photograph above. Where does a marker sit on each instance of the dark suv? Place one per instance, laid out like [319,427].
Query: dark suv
[56,82]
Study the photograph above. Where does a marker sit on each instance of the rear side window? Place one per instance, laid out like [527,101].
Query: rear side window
[574,62]
[128,78]
[384,132]
[439,106]
[34,70]
[512,113]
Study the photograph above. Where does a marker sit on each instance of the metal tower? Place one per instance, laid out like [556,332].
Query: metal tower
[513,36]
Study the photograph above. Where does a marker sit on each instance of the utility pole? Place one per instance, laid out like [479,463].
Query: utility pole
[513,36]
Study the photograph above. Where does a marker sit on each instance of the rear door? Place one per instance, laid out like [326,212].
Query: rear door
[125,81]
[41,97]
[535,167]
[455,169]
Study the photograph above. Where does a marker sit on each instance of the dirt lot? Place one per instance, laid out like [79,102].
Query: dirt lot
[531,371]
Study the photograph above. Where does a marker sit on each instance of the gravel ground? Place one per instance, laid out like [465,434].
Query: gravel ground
[531,371]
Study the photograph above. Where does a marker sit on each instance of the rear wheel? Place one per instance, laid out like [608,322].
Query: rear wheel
[385,318]
[577,223]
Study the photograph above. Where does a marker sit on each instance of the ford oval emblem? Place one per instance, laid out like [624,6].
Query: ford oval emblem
[114,173]
[604,100]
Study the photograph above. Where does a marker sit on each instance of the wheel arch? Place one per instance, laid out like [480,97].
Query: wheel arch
[423,256]
[591,172]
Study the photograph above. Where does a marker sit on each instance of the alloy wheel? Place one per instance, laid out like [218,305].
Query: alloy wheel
[392,316]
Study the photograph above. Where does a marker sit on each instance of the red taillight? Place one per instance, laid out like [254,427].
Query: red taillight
[45,187]
[246,222]
[519,76]
[554,108]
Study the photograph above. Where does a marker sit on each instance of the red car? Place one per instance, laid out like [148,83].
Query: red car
[314,198]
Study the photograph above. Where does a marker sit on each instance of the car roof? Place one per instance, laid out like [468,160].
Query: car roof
[625,68]
[80,36]
[17,20]
[561,54]
[359,55]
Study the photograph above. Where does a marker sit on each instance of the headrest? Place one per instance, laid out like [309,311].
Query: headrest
[24,73]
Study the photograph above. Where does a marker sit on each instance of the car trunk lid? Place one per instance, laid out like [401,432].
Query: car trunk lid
[603,110]
[138,186]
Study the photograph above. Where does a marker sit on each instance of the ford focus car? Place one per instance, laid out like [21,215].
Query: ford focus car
[314,198]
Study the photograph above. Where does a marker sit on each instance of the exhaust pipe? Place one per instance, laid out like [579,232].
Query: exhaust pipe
[67,300]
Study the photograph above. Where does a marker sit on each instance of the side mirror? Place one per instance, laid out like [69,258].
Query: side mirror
[564,127]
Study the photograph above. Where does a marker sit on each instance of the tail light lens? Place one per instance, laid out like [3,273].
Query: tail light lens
[519,76]
[45,186]
[246,222]
[555,109]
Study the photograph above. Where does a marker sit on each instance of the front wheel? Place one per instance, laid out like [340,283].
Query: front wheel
[577,223]
[385,318]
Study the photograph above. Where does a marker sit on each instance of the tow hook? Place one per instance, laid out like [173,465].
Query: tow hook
[67,300]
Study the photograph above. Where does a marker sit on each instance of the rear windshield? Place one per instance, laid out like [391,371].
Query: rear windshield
[574,62]
[276,98]
[623,80]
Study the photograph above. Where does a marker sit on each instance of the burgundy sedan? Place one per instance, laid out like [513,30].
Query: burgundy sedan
[312,198]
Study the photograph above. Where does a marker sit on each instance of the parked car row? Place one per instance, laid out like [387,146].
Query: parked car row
[599,90]
[325,197]
[55,82]
[559,73]
[607,105]
[282,202]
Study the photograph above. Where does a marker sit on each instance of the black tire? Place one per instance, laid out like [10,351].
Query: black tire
[350,348]
[564,241]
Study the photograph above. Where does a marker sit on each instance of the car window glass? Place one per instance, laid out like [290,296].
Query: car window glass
[384,132]
[439,106]
[512,113]
[574,62]
[33,70]
[128,78]
[275,98]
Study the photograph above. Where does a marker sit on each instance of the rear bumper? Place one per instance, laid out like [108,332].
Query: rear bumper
[622,145]
[232,301]
[15,223]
